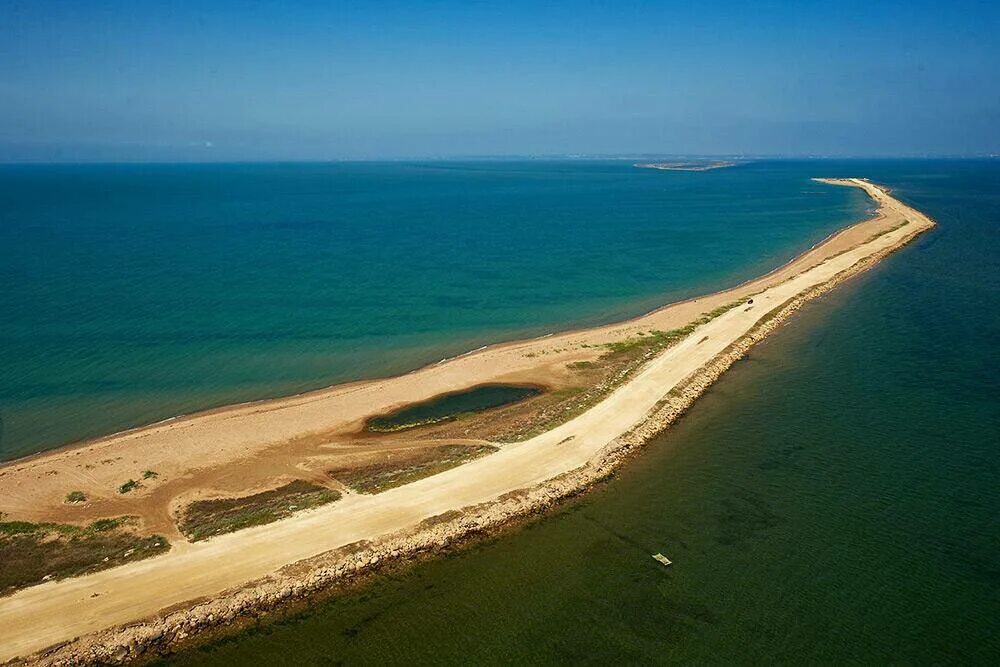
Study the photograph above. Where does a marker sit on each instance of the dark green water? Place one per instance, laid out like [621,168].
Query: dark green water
[833,499]
[477,399]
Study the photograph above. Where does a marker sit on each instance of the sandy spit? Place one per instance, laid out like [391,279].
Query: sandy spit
[131,611]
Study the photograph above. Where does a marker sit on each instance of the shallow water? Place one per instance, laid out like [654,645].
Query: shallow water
[832,499]
[133,293]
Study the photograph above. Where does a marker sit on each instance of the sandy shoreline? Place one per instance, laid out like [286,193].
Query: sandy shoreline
[664,316]
[489,491]
[637,321]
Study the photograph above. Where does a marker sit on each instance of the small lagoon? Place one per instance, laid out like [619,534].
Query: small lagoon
[449,406]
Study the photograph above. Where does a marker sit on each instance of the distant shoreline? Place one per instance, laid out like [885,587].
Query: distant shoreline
[685,166]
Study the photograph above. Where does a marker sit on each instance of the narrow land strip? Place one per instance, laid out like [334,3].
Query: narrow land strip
[244,449]
[58,611]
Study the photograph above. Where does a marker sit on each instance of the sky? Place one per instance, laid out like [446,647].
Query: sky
[87,80]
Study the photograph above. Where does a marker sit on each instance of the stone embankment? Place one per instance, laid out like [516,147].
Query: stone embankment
[313,576]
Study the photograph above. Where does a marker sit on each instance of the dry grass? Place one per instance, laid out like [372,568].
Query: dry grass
[205,518]
[31,553]
[403,467]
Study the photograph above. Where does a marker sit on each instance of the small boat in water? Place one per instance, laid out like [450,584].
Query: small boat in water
[663,560]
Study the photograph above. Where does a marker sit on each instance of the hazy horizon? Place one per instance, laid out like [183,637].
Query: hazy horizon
[742,159]
[236,82]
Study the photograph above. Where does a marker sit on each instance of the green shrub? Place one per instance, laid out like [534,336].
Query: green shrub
[76,497]
[104,525]
[130,485]
[205,518]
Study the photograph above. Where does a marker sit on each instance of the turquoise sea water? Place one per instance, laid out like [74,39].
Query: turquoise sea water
[133,293]
[833,499]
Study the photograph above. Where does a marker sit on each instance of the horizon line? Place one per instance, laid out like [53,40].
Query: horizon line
[562,157]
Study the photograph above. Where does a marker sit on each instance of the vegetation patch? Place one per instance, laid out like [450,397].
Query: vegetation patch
[886,231]
[407,466]
[76,497]
[599,378]
[543,413]
[31,553]
[205,518]
[150,474]
[869,239]
[553,409]
[658,340]
[130,485]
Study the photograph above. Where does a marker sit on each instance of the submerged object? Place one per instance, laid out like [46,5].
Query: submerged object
[662,559]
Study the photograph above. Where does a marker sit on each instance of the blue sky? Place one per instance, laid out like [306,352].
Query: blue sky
[87,80]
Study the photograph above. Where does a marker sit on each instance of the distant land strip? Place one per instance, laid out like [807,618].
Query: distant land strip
[686,166]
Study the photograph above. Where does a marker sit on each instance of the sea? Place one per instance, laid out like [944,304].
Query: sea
[833,499]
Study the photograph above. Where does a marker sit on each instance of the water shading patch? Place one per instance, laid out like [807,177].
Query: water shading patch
[406,466]
[447,407]
[204,518]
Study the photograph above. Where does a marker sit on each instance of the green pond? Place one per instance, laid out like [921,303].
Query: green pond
[448,406]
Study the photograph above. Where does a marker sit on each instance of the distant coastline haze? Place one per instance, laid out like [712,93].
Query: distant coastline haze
[226,81]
